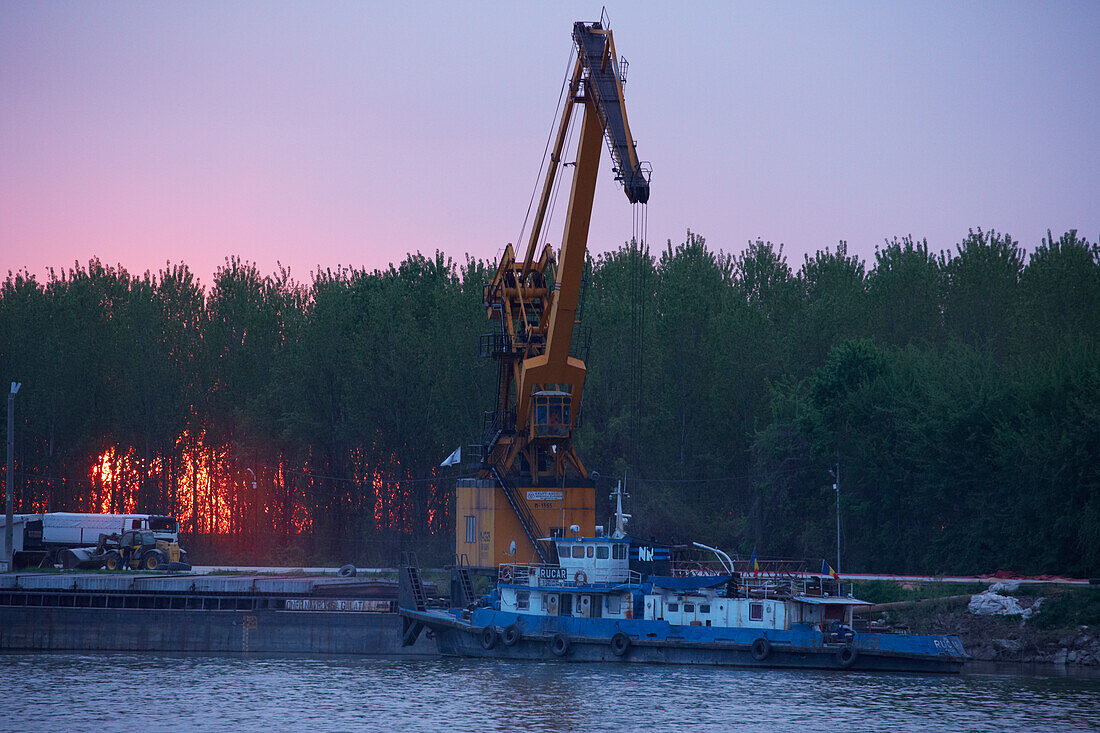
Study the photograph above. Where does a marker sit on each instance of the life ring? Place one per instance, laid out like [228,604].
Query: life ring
[488,637]
[511,635]
[580,578]
[846,656]
[761,648]
[506,574]
[620,643]
[559,645]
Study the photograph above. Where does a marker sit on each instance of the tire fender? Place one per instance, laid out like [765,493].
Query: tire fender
[488,637]
[761,648]
[511,635]
[559,645]
[620,643]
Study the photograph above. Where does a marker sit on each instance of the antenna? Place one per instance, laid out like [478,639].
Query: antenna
[620,517]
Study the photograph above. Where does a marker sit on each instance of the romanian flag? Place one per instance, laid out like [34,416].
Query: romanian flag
[755,564]
[827,569]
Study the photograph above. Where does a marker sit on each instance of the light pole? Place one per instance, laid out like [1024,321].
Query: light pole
[836,488]
[11,451]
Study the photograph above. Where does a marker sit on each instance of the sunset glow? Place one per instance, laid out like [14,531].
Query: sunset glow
[204,487]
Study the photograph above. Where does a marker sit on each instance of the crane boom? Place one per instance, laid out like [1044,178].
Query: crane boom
[534,303]
[597,68]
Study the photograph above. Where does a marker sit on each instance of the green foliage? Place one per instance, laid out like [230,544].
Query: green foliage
[959,392]
[1069,609]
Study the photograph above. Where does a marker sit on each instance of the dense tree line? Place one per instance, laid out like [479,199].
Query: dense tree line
[957,392]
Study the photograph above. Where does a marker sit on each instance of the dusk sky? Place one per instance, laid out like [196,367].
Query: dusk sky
[351,133]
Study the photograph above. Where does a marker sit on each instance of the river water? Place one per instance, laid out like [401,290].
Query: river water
[147,692]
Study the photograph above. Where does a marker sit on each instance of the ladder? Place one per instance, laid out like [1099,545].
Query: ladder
[410,590]
[465,583]
[526,519]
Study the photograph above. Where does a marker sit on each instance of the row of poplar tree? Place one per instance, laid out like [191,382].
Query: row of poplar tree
[956,394]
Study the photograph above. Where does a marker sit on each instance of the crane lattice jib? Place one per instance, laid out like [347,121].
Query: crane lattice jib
[596,49]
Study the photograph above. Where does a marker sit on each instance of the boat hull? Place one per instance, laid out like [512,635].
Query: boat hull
[539,640]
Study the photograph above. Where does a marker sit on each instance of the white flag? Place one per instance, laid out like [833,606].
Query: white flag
[454,458]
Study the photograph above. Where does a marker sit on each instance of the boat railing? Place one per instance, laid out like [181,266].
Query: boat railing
[555,575]
[698,568]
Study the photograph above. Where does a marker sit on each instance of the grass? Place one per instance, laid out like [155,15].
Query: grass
[1069,608]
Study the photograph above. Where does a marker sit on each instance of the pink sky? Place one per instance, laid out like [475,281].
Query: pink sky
[352,133]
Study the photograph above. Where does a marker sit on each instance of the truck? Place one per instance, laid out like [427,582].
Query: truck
[47,537]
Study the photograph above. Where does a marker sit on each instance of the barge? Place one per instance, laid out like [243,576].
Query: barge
[201,613]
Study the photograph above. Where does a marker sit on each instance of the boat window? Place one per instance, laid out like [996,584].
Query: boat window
[619,552]
[674,607]
[566,605]
[603,552]
[591,551]
[471,529]
[689,608]
[756,611]
[704,608]
[523,600]
[578,551]
[614,604]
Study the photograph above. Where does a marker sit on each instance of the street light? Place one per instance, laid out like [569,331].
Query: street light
[11,450]
[836,488]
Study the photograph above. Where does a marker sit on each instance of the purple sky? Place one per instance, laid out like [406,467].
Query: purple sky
[352,133]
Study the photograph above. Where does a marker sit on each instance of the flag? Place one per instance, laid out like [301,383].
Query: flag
[827,569]
[755,564]
[454,458]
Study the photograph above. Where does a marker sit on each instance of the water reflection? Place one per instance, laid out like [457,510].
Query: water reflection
[96,692]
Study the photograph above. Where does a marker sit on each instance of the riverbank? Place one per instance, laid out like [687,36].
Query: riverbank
[1062,628]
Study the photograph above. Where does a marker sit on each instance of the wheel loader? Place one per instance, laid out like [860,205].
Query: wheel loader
[139,550]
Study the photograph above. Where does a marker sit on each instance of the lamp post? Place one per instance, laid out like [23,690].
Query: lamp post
[836,488]
[11,451]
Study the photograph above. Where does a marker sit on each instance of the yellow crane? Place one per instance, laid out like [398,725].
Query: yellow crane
[533,485]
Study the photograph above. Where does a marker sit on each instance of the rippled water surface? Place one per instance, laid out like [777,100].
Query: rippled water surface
[124,692]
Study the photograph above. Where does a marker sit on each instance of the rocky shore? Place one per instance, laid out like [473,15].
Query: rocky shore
[1048,635]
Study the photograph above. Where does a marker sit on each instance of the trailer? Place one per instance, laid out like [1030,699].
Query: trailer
[46,537]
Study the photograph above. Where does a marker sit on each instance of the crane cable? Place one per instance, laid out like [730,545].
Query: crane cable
[552,206]
[546,148]
[638,263]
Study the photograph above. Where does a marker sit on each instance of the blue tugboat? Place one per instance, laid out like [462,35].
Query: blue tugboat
[569,591]
[592,605]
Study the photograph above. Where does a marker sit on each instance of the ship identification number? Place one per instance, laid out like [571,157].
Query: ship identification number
[553,573]
[316,604]
[545,495]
